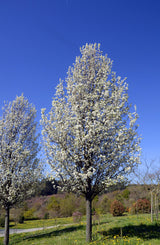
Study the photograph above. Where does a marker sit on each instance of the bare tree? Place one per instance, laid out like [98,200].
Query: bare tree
[148,175]
[154,182]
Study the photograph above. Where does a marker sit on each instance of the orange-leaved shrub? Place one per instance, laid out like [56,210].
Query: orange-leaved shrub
[117,208]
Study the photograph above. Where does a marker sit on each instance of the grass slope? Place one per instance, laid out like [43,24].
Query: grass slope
[125,230]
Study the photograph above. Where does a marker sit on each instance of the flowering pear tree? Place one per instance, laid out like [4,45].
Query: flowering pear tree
[90,134]
[19,167]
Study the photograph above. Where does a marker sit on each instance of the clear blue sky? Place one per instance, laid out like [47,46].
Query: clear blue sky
[39,40]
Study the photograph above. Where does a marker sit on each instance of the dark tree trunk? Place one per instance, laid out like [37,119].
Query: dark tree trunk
[89,219]
[6,232]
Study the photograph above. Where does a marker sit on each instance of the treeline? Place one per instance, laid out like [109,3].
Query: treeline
[45,187]
[49,203]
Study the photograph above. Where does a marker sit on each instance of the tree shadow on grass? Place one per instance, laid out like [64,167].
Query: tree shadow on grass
[142,231]
[47,233]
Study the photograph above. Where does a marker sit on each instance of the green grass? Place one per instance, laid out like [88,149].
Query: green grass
[41,223]
[125,230]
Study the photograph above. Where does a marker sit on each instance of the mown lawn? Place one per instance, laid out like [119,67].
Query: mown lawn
[125,230]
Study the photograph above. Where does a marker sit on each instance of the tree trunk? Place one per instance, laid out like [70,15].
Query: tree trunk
[151,206]
[156,206]
[6,232]
[157,209]
[89,219]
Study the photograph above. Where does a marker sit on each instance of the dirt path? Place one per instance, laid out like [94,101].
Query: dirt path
[16,231]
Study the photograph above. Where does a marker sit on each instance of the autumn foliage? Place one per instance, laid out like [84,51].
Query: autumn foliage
[142,206]
[117,208]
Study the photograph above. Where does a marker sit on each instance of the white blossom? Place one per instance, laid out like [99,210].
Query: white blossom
[19,166]
[90,134]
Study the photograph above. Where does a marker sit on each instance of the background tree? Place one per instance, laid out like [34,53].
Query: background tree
[90,134]
[149,177]
[46,188]
[19,167]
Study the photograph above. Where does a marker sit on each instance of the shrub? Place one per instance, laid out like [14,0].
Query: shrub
[96,218]
[104,205]
[80,205]
[77,216]
[132,209]
[126,194]
[53,207]
[119,197]
[142,206]
[2,221]
[21,219]
[117,208]
[29,214]
[46,216]
[67,205]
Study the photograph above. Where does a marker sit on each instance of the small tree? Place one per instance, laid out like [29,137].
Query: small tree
[154,184]
[90,134]
[149,176]
[18,150]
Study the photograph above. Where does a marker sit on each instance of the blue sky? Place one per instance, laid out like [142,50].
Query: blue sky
[39,40]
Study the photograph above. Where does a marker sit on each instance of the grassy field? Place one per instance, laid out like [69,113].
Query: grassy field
[125,230]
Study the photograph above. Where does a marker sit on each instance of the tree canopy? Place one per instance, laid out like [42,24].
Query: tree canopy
[19,166]
[90,134]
